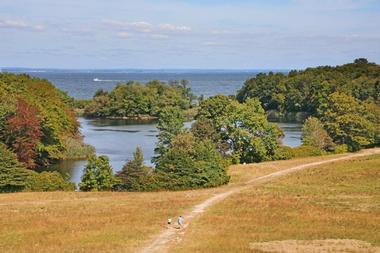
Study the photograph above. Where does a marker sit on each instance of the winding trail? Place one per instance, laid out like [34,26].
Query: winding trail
[160,242]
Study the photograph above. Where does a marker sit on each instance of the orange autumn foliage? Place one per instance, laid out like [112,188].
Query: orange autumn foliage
[23,133]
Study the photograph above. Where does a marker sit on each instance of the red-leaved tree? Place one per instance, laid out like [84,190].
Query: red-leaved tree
[23,132]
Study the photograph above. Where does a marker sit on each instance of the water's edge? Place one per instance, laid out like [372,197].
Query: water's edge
[118,138]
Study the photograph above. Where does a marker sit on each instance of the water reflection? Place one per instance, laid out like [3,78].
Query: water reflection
[118,139]
[293,133]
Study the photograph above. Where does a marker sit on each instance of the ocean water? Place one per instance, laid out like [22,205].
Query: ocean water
[83,83]
[119,138]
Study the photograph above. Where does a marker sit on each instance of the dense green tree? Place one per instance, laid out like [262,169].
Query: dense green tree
[97,175]
[249,133]
[348,121]
[268,88]
[190,164]
[169,125]
[313,134]
[213,107]
[242,129]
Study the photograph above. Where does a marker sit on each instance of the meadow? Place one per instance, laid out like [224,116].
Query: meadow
[335,206]
[339,200]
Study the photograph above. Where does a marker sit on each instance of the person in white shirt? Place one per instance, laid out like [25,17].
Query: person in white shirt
[180,221]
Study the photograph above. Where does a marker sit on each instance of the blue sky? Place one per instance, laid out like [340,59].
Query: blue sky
[238,34]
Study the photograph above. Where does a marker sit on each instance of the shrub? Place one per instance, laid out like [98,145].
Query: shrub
[76,149]
[284,153]
[305,151]
[340,149]
[47,181]
[313,134]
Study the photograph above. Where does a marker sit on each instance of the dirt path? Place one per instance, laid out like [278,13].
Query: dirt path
[162,240]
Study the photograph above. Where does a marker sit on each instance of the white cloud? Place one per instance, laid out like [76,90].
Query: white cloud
[19,24]
[158,30]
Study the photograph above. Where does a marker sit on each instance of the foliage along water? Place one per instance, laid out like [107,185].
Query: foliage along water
[118,138]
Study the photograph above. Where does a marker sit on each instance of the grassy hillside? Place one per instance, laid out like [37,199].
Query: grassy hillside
[124,222]
[335,201]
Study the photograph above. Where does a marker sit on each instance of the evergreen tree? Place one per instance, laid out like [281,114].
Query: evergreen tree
[13,175]
[135,176]
[98,175]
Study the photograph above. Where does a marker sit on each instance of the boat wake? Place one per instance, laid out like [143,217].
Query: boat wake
[102,80]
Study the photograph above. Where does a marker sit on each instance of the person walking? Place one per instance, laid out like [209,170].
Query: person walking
[180,221]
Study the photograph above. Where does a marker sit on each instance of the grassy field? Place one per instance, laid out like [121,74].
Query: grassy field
[87,222]
[343,201]
[335,201]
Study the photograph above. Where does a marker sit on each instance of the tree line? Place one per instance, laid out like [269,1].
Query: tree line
[136,100]
[345,99]
[38,126]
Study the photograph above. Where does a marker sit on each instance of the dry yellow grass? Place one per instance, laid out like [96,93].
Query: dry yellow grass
[87,222]
[124,222]
[334,201]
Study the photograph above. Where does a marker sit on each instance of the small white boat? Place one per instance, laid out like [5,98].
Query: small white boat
[97,80]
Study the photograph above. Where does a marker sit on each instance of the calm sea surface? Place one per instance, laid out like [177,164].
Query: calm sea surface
[119,138]
[83,84]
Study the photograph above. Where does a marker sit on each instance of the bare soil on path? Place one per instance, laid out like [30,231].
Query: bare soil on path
[171,235]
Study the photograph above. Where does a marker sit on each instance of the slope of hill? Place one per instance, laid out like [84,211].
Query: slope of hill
[128,222]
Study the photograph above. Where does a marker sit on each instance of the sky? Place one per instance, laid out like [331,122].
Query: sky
[183,34]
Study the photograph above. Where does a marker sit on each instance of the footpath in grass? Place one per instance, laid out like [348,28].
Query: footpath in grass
[103,222]
[122,222]
[87,222]
[340,200]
